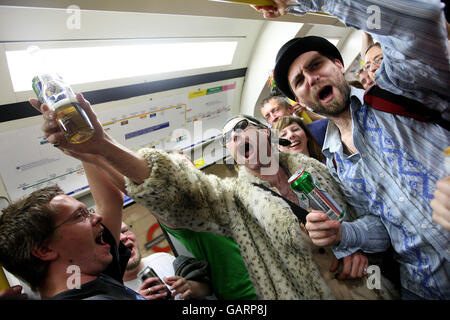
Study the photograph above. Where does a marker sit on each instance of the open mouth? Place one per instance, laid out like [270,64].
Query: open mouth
[294,144]
[246,150]
[326,93]
[131,247]
[99,240]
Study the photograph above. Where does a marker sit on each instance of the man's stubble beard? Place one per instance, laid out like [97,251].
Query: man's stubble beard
[135,263]
[336,107]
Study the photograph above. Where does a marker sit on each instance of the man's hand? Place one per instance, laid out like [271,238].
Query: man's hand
[441,203]
[298,109]
[98,149]
[275,11]
[153,292]
[323,231]
[354,266]
[14,292]
[56,137]
[187,288]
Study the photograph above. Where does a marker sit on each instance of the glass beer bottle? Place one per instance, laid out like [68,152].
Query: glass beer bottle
[70,117]
[4,284]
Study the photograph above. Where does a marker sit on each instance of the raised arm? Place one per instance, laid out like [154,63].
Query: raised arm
[413,36]
[366,42]
[100,145]
[102,159]
[108,198]
[164,191]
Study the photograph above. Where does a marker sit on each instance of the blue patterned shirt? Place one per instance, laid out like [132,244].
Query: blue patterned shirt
[391,181]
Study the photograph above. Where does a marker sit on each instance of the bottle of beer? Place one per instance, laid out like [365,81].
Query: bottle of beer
[318,199]
[70,117]
[4,284]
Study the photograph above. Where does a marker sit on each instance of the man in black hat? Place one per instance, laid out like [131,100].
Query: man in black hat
[387,164]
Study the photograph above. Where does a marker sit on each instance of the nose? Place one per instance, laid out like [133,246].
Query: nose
[274,119]
[95,218]
[311,78]
[288,135]
[123,237]
[373,67]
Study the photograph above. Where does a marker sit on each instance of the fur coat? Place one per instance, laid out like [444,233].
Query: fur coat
[278,256]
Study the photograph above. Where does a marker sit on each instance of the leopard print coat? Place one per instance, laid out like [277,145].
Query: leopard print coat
[278,259]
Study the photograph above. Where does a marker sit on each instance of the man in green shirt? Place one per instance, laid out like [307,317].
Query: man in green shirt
[229,276]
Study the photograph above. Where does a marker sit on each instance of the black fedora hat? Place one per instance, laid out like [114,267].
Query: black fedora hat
[294,48]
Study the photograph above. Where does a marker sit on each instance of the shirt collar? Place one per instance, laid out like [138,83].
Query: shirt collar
[359,93]
[332,142]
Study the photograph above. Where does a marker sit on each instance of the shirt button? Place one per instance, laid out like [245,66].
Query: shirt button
[324,7]
[401,199]
[424,226]
[381,175]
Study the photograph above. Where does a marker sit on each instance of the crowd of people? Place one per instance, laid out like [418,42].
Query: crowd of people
[378,152]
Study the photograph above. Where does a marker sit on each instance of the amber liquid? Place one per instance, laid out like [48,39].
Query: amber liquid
[4,284]
[74,122]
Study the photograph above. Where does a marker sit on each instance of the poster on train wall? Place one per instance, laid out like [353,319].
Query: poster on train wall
[208,109]
[29,162]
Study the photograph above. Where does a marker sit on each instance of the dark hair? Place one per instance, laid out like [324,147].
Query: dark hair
[359,71]
[313,146]
[356,84]
[376,44]
[291,50]
[24,226]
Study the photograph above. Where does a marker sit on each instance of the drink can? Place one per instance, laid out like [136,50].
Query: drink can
[318,199]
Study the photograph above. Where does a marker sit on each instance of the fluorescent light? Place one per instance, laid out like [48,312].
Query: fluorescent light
[99,63]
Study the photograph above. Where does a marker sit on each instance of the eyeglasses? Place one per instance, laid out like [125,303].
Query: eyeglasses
[241,125]
[81,213]
[376,62]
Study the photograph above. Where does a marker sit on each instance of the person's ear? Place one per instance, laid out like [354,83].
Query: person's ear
[45,253]
[300,102]
[290,109]
[339,64]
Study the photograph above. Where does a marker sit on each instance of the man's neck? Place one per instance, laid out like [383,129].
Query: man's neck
[276,179]
[344,124]
[133,273]
[58,281]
